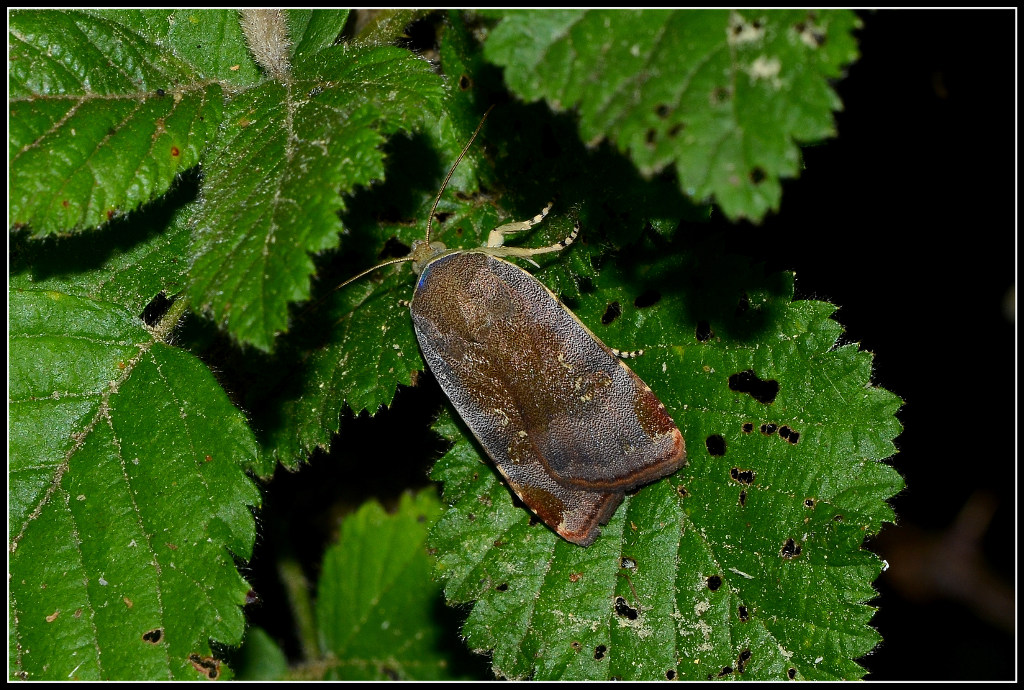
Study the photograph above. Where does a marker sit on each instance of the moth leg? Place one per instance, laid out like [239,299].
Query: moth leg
[497,236]
[527,252]
[626,354]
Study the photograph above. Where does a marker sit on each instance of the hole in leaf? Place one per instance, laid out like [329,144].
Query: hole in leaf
[627,562]
[613,312]
[748,427]
[503,587]
[714,582]
[758,175]
[742,659]
[647,298]
[715,445]
[156,309]
[763,391]
[744,614]
[208,666]
[720,95]
[743,498]
[791,673]
[153,636]
[599,651]
[703,331]
[465,82]
[742,476]
[662,111]
[768,428]
[623,609]
[790,549]
[810,503]
[670,674]
[393,249]
[811,35]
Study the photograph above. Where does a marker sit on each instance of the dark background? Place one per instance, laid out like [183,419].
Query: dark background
[906,220]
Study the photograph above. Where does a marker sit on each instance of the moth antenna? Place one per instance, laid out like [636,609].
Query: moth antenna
[430,218]
[371,269]
[354,278]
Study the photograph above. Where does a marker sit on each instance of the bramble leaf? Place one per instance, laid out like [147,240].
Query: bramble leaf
[722,96]
[128,498]
[376,600]
[102,119]
[274,178]
[748,561]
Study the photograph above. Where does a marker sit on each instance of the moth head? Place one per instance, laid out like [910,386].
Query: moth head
[423,252]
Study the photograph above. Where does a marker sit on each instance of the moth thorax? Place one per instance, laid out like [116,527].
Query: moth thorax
[422,253]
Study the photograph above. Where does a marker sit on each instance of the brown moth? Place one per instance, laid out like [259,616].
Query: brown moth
[569,426]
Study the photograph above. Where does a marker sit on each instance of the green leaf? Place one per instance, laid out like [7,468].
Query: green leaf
[724,96]
[115,264]
[260,657]
[314,30]
[748,561]
[272,180]
[128,498]
[376,603]
[385,27]
[108,107]
[102,119]
[209,41]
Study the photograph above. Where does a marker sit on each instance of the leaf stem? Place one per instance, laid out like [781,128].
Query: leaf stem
[167,324]
[297,589]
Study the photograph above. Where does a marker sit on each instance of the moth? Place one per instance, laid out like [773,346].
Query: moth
[568,425]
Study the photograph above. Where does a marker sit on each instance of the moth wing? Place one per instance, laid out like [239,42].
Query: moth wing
[593,421]
[566,422]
